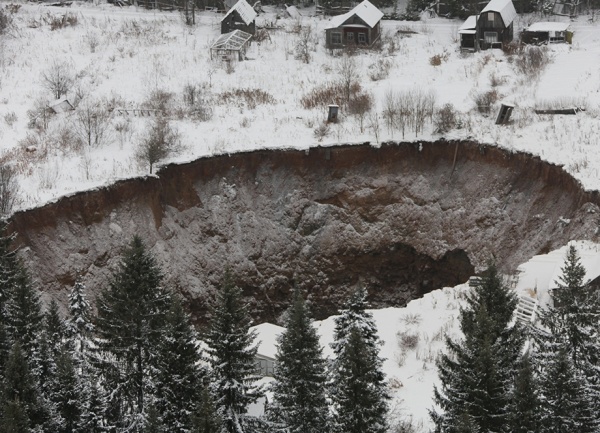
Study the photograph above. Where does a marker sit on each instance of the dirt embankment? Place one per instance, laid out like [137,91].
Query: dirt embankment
[402,219]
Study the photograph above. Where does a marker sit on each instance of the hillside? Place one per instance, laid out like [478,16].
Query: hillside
[130,58]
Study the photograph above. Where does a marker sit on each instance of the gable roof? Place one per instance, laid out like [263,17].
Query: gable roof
[246,12]
[234,40]
[468,27]
[365,11]
[505,8]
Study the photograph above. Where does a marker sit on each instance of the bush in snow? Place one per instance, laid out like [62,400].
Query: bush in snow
[160,141]
[531,60]
[445,118]
[58,79]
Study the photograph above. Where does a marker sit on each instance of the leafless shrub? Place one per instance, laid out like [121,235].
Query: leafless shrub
[403,426]
[531,60]
[445,119]
[58,78]
[438,59]
[322,131]
[9,189]
[305,44]
[408,109]
[190,94]
[374,125]
[39,116]
[61,21]
[159,100]
[92,123]
[359,105]
[485,100]
[407,341]
[93,40]
[496,80]
[411,319]
[161,141]
[329,93]
[380,69]
[250,97]
[261,35]
[10,118]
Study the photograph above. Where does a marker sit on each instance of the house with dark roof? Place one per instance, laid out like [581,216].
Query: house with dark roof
[240,17]
[359,27]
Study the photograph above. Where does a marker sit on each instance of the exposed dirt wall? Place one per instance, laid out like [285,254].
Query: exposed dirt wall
[401,219]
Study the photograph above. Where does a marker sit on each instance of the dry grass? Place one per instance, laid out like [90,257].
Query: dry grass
[328,93]
[251,98]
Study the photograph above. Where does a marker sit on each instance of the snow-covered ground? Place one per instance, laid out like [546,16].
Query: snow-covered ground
[413,336]
[119,56]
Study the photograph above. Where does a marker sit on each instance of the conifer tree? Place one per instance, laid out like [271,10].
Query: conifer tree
[231,353]
[566,406]
[299,402]
[131,314]
[179,378]
[478,373]
[525,407]
[206,418]
[66,393]
[79,324]
[20,398]
[357,388]
[10,270]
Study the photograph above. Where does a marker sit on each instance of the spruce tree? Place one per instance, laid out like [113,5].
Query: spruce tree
[79,324]
[20,400]
[206,418]
[299,402]
[565,402]
[66,393]
[179,378]
[131,314]
[478,372]
[231,353]
[525,409]
[357,388]
[10,270]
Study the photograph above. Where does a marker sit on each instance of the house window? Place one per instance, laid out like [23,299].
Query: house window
[336,38]
[350,38]
[362,38]
[490,37]
[491,17]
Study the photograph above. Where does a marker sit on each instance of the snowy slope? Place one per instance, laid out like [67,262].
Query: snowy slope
[411,371]
[120,55]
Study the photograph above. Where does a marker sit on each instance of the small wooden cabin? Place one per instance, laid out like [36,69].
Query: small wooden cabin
[495,24]
[467,32]
[361,27]
[547,33]
[240,17]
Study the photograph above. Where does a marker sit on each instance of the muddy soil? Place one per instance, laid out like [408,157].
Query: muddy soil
[400,219]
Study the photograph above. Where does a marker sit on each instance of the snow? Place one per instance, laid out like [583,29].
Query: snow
[123,54]
[411,371]
[506,8]
[468,27]
[548,27]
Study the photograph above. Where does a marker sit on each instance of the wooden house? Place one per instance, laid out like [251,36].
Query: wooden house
[547,33]
[240,17]
[360,27]
[467,32]
[495,24]
[267,348]
[231,46]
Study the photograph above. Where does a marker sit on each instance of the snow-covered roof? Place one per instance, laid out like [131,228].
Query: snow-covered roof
[246,12]
[365,11]
[468,27]
[548,27]
[234,40]
[505,8]
[267,346]
[293,12]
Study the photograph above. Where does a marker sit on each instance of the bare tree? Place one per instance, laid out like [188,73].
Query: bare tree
[360,105]
[348,70]
[9,189]
[58,78]
[92,123]
[306,41]
[160,141]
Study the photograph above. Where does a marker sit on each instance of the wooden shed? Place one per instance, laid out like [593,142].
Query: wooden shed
[467,32]
[240,17]
[495,24]
[547,33]
[361,27]
[231,46]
